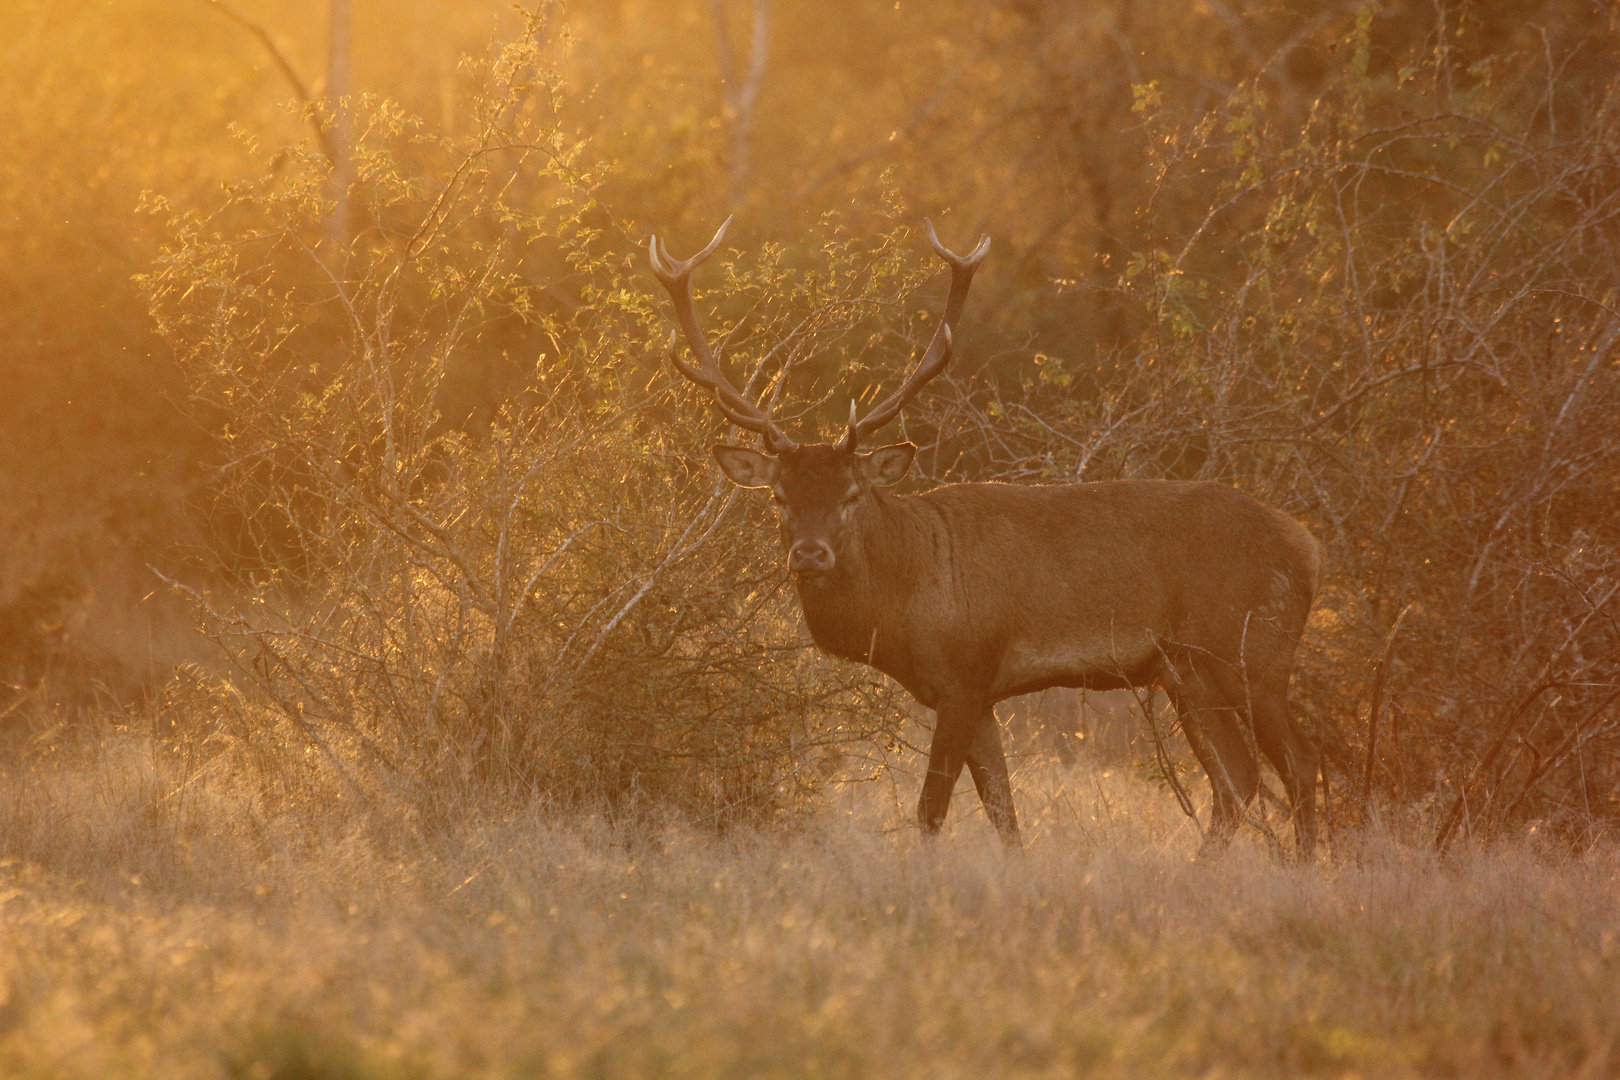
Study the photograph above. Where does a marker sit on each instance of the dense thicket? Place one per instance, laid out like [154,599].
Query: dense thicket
[450,519]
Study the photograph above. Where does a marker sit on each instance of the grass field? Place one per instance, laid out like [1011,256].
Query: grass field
[148,929]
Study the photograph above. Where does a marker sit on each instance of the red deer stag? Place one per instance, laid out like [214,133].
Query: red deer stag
[972,593]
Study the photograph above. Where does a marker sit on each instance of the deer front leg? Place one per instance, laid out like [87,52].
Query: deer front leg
[954,728]
[987,764]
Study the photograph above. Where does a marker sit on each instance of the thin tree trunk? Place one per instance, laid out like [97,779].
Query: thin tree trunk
[741,94]
[339,61]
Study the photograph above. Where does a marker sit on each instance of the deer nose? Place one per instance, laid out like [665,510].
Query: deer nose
[811,557]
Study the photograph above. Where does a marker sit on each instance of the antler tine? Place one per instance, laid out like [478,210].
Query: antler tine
[676,278]
[932,363]
[939,349]
[669,270]
[971,259]
[962,269]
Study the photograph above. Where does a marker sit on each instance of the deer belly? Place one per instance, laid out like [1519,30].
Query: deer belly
[1028,666]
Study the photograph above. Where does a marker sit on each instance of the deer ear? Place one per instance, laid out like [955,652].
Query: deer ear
[887,464]
[744,467]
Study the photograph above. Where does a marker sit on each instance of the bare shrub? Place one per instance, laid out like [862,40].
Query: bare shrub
[556,595]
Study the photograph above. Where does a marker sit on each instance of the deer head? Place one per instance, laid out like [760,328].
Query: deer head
[818,489]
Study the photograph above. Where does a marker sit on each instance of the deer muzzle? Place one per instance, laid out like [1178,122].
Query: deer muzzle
[811,557]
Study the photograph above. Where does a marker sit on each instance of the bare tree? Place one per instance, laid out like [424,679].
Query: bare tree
[740,90]
[339,69]
[335,133]
[323,135]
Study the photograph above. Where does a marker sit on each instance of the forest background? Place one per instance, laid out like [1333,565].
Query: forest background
[1357,260]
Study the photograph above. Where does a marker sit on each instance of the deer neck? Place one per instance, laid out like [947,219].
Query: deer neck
[855,610]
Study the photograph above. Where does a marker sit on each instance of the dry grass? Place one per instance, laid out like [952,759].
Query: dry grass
[153,932]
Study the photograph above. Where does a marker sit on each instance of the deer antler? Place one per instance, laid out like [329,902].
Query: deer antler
[676,278]
[939,349]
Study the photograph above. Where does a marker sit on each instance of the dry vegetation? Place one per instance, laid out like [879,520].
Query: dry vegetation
[390,687]
[156,927]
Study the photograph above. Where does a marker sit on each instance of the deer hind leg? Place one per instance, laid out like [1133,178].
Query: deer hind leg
[1294,757]
[987,764]
[1216,736]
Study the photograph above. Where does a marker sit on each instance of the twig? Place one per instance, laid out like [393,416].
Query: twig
[1380,677]
[322,135]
